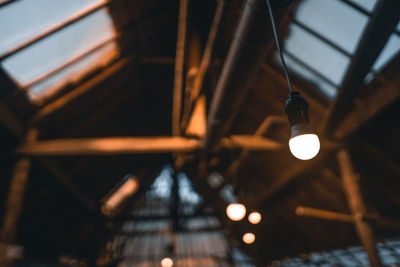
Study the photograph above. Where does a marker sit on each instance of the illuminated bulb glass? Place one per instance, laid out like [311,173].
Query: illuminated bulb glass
[304,146]
[249,238]
[167,262]
[236,211]
[254,217]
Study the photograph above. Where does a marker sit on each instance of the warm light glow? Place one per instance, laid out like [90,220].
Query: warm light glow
[129,188]
[167,262]
[304,146]
[254,217]
[236,211]
[249,238]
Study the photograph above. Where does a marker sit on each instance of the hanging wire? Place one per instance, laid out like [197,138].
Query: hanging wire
[278,46]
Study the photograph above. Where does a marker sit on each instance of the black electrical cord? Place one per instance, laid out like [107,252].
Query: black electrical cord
[271,15]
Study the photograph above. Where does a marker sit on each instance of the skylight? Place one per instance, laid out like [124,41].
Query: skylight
[162,187]
[63,56]
[324,35]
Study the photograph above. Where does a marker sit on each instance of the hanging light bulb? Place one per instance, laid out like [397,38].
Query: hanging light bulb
[249,238]
[254,217]
[167,262]
[304,143]
[236,211]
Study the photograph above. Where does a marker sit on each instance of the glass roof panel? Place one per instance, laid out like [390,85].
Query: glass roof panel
[391,48]
[334,20]
[51,52]
[329,62]
[325,87]
[25,19]
[75,72]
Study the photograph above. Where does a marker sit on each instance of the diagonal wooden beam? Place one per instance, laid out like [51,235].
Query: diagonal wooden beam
[357,206]
[370,106]
[379,29]
[179,66]
[53,168]
[63,101]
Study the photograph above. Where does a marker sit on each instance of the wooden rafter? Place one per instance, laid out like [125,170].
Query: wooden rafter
[48,164]
[342,217]
[357,206]
[379,29]
[179,66]
[15,198]
[370,106]
[205,61]
[138,145]
[81,90]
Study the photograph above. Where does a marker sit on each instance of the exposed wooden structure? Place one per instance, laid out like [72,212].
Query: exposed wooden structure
[134,145]
[205,61]
[225,129]
[378,31]
[15,199]
[337,216]
[357,206]
[197,123]
[179,67]
[369,107]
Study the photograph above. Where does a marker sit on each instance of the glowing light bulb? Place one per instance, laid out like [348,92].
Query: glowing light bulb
[167,262]
[304,146]
[249,238]
[236,211]
[254,217]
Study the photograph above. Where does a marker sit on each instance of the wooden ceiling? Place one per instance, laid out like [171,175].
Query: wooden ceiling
[133,97]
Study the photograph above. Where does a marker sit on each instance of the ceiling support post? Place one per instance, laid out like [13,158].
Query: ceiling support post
[15,199]
[179,67]
[357,206]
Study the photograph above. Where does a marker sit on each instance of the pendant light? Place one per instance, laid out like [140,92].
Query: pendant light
[167,262]
[304,143]
[249,238]
[254,217]
[236,211]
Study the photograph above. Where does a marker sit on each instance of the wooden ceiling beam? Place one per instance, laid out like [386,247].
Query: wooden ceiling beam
[109,146]
[48,164]
[378,31]
[16,194]
[373,104]
[180,62]
[357,206]
[204,64]
[63,101]
[138,145]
